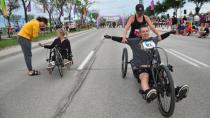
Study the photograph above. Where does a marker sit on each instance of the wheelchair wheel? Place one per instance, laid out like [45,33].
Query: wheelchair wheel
[50,71]
[166,91]
[124,62]
[59,63]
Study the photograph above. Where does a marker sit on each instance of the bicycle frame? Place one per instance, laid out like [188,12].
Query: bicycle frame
[154,63]
[54,51]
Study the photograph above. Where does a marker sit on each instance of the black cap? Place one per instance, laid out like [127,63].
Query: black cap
[139,8]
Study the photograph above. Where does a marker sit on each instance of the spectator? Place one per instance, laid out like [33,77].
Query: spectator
[181,29]
[208,18]
[28,32]
[196,20]
[174,22]
[188,28]
[195,29]
[184,20]
[205,31]
[202,18]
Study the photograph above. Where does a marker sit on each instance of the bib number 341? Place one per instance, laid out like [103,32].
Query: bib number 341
[148,44]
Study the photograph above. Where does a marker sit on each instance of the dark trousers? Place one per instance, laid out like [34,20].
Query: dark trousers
[26,48]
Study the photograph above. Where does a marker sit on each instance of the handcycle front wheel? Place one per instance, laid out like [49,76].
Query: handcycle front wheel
[124,62]
[166,92]
[59,64]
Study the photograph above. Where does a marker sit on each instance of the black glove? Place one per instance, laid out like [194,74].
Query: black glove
[107,37]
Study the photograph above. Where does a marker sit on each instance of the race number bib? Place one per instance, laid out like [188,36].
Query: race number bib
[148,44]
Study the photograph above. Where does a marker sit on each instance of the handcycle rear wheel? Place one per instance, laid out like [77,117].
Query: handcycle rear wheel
[124,62]
[166,91]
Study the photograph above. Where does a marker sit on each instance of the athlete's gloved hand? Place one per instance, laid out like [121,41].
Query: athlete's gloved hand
[107,37]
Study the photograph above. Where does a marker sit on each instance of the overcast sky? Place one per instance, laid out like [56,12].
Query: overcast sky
[124,7]
[119,7]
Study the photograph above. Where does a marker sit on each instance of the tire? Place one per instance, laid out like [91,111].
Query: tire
[124,62]
[50,71]
[59,63]
[165,90]
[68,66]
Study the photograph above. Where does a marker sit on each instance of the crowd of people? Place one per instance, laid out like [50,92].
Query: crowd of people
[187,25]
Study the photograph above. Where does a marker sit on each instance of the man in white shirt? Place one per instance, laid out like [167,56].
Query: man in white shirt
[196,20]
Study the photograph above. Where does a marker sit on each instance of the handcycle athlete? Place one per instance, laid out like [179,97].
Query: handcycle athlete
[140,59]
[64,47]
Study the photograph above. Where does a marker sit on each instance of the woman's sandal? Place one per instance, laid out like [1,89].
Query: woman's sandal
[35,73]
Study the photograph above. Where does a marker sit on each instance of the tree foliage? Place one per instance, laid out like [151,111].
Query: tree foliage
[25,9]
[12,5]
[199,4]
[165,5]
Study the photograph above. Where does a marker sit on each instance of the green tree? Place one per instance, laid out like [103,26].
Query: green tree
[12,5]
[161,7]
[30,17]
[199,3]
[95,15]
[48,6]
[175,4]
[68,7]
[15,18]
[25,9]
[80,7]
[148,11]
[59,7]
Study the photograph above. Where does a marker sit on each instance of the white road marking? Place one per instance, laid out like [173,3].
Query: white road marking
[186,60]
[190,58]
[86,60]
[80,33]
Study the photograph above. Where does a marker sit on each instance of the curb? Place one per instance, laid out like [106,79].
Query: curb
[36,46]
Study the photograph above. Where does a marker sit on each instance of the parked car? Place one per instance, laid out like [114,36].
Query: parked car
[70,25]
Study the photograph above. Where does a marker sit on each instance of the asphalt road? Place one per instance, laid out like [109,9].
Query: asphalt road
[103,94]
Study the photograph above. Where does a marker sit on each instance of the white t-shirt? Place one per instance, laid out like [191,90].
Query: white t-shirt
[196,18]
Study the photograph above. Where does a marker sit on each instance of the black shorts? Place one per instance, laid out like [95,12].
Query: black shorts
[139,71]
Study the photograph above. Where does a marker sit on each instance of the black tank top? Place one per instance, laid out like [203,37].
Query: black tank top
[135,26]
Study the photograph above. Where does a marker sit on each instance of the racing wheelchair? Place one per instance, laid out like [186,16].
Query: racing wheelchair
[56,60]
[160,77]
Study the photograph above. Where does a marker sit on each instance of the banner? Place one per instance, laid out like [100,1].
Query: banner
[62,13]
[84,11]
[152,5]
[88,13]
[4,8]
[28,7]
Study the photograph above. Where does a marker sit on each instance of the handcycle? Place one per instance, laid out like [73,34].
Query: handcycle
[160,76]
[56,60]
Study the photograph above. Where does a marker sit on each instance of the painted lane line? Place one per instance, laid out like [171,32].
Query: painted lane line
[196,61]
[188,61]
[79,34]
[87,59]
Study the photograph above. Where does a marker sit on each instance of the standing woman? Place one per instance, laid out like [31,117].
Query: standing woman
[29,31]
[136,22]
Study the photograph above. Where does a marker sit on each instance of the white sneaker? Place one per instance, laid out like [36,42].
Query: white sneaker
[151,94]
[51,64]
